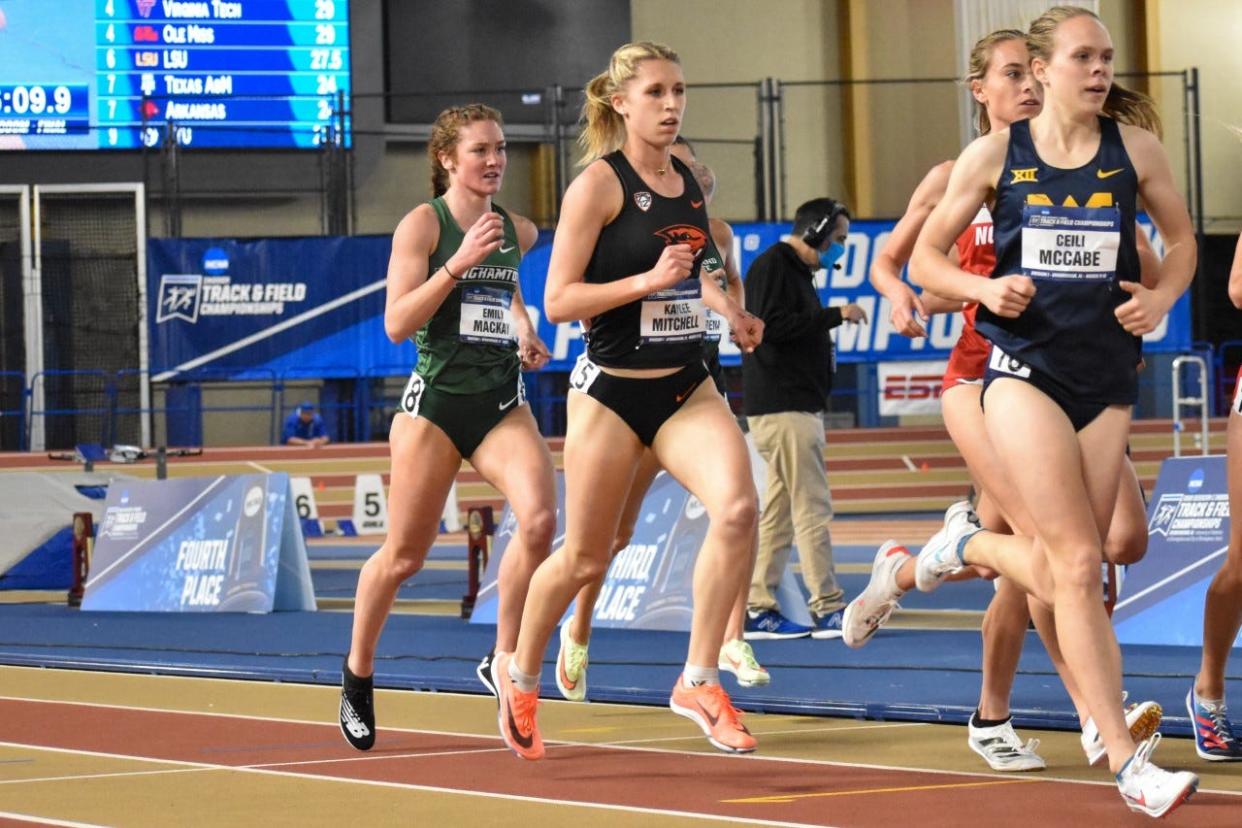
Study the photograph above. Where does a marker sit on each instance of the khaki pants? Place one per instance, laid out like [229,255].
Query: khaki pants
[796,504]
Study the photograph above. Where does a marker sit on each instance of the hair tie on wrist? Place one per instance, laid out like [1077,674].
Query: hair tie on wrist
[452,276]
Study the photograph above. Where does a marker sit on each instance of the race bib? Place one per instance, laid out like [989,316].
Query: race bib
[486,316]
[1003,363]
[1070,244]
[584,374]
[672,315]
[713,324]
[412,396]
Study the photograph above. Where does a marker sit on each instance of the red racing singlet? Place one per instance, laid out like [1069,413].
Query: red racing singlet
[977,254]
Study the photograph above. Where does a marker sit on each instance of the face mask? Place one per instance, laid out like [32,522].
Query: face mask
[828,258]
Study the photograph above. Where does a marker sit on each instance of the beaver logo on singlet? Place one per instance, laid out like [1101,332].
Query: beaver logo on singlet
[684,234]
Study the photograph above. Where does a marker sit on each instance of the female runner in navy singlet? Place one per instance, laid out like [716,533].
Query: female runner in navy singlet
[1063,311]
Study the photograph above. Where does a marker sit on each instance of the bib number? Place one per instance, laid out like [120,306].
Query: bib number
[1003,363]
[672,315]
[583,375]
[413,395]
[486,316]
[1070,244]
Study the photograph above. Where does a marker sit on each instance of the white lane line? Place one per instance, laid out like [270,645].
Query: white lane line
[554,743]
[408,786]
[763,733]
[42,820]
[255,465]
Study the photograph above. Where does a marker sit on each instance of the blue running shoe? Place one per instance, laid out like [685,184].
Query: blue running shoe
[1214,739]
[827,626]
[770,624]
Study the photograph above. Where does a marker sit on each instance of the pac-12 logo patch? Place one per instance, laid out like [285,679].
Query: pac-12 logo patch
[179,297]
[643,200]
[684,234]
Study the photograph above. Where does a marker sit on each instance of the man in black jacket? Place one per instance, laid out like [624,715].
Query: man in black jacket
[786,382]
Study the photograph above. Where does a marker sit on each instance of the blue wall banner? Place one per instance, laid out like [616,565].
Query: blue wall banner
[1188,537]
[649,585]
[200,544]
[246,309]
[249,309]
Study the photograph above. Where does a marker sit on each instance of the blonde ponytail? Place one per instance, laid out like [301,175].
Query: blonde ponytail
[603,128]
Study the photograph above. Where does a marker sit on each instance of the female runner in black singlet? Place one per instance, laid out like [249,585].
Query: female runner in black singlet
[628,248]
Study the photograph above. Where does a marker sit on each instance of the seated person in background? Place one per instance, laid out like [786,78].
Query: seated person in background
[305,428]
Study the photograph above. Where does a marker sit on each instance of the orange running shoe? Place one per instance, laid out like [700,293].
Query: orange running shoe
[709,707]
[517,712]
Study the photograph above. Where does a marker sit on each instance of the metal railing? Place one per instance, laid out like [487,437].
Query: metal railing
[1182,400]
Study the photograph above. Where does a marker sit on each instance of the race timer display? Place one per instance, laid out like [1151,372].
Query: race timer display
[118,74]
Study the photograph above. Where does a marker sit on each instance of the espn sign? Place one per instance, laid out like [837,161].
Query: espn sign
[910,387]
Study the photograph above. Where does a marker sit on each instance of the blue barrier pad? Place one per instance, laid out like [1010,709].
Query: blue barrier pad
[907,675]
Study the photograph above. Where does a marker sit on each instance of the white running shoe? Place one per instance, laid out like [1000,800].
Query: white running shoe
[1001,748]
[571,667]
[1151,790]
[1143,719]
[873,606]
[942,555]
[738,657]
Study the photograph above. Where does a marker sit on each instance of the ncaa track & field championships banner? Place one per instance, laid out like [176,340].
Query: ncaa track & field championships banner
[248,309]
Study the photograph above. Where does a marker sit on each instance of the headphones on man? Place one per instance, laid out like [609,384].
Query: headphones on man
[818,233]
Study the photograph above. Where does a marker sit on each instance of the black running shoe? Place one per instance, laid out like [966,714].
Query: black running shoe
[484,672]
[357,709]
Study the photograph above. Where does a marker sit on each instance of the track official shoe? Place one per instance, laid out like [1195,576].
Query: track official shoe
[1214,739]
[738,658]
[1001,748]
[708,706]
[875,604]
[571,667]
[770,624]
[1143,719]
[942,555]
[828,625]
[484,672]
[357,711]
[1151,790]
[517,712]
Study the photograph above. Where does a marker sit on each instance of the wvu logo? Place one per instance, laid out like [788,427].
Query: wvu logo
[1025,176]
[684,234]
[179,297]
[1096,200]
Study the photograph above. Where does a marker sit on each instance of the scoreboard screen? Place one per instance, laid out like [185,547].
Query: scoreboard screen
[119,74]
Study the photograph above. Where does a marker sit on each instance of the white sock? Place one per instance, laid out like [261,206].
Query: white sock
[692,676]
[522,681]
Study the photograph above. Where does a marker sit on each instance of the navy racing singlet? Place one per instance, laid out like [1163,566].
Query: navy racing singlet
[1072,231]
[663,329]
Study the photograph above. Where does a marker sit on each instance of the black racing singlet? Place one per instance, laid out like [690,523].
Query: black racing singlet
[665,328]
[1072,231]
